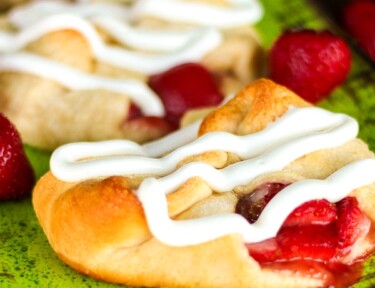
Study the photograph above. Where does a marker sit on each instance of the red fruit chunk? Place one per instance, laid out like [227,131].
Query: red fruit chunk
[310,242]
[310,63]
[320,212]
[134,112]
[16,174]
[155,127]
[185,87]
[324,233]
[359,19]
[251,205]
[315,231]
[352,224]
[316,242]
[266,251]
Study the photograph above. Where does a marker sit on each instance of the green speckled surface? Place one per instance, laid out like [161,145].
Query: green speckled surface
[26,259]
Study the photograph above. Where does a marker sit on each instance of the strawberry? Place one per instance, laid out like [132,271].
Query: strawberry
[134,112]
[265,251]
[316,242]
[310,63]
[155,127]
[320,212]
[316,230]
[310,242]
[252,204]
[184,87]
[16,174]
[359,20]
[352,224]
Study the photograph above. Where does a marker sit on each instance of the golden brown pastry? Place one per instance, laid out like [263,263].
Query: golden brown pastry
[108,218]
[76,72]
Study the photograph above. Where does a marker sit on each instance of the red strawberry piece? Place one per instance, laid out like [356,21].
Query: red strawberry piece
[16,174]
[317,230]
[316,242]
[134,112]
[359,19]
[251,205]
[352,223]
[310,242]
[320,212]
[266,251]
[185,87]
[310,63]
[155,127]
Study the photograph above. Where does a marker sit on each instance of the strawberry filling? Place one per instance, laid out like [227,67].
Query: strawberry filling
[317,231]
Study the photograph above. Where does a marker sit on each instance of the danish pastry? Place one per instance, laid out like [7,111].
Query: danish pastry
[267,191]
[75,71]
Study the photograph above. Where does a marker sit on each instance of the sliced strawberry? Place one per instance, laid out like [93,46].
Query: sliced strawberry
[266,251]
[309,62]
[184,87]
[317,242]
[16,174]
[316,230]
[352,223]
[311,242]
[320,212]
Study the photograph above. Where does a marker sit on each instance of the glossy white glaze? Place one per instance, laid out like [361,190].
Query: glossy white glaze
[191,45]
[75,79]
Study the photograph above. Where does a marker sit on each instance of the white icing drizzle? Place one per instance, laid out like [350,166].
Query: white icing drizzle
[76,80]
[172,141]
[244,12]
[299,132]
[30,14]
[155,39]
[199,44]
[330,129]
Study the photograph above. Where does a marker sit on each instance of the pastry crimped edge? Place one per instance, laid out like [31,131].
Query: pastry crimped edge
[88,223]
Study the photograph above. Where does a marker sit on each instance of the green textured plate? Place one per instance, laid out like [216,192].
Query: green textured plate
[26,259]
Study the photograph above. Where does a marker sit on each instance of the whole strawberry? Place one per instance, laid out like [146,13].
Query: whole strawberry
[359,19]
[16,174]
[310,63]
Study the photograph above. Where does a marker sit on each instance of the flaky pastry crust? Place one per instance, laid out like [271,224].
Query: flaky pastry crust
[98,226]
